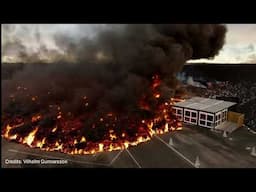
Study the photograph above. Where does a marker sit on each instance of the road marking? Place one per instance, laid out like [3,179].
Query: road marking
[133,158]
[115,157]
[52,157]
[172,148]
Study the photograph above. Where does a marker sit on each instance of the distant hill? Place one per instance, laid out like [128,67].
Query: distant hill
[222,64]
[222,71]
[216,71]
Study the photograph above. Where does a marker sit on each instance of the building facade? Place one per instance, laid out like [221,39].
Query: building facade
[203,112]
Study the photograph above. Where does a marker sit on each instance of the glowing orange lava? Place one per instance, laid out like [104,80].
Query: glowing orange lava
[65,134]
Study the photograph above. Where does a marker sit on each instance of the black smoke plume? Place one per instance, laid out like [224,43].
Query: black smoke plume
[111,72]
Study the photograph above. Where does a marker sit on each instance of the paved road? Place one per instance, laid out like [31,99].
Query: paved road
[211,149]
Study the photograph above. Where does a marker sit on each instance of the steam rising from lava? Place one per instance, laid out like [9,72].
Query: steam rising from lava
[115,88]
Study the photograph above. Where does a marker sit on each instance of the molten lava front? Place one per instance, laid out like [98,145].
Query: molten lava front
[55,130]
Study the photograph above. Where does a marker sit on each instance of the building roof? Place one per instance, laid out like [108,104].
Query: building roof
[205,104]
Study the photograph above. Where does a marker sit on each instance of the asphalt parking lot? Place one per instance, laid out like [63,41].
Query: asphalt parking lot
[210,149]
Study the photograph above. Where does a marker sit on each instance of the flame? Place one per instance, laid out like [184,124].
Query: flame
[58,146]
[112,136]
[112,140]
[83,140]
[41,143]
[166,127]
[13,137]
[36,118]
[8,129]
[30,138]
[157,95]
[54,129]
[126,144]
[101,146]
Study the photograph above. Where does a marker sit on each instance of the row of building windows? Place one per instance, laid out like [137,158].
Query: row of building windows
[205,119]
[205,124]
[206,116]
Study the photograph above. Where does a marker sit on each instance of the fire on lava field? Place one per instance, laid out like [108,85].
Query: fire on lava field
[66,133]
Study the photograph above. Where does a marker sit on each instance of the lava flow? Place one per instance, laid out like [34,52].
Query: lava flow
[66,133]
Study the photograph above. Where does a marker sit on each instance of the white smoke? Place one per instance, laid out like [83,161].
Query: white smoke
[190,81]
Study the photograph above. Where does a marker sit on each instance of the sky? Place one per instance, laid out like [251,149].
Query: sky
[240,44]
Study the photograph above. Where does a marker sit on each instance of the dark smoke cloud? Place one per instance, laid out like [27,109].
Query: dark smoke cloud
[115,68]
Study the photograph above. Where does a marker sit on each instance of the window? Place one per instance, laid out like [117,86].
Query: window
[187,119]
[202,116]
[209,118]
[201,122]
[224,115]
[194,114]
[193,120]
[206,119]
[190,116]
[209,124]
[178,112]
[218,118]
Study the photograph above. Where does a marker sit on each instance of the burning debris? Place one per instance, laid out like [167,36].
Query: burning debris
[118,92]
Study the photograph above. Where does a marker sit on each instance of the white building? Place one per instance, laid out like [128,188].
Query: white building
[204,112]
